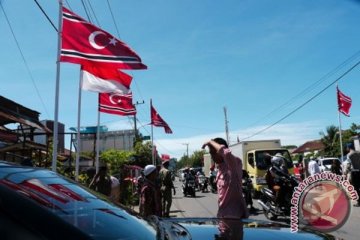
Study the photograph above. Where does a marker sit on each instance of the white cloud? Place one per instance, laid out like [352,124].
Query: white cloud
[289,134]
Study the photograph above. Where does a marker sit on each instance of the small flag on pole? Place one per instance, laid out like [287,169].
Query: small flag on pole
[157,121]
[116,103]
[344,103]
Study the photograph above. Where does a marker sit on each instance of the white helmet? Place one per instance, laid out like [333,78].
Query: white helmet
[149,169]
[277,160]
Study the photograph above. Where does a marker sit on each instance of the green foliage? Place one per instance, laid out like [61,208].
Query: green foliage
[142,154]
[195,160]
[331,139]
[115,159]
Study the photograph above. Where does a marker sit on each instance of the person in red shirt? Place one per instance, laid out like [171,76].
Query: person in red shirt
[229,180]
[150,197]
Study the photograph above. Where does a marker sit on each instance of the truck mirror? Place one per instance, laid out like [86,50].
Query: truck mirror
[251,161]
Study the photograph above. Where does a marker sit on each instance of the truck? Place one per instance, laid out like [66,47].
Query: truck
[252,155]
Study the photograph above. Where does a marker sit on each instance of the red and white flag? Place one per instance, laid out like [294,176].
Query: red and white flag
[157,121]
[116,103]
[104,80]
[83,43]
[344,103]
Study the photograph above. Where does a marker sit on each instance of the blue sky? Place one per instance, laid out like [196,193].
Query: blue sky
[256,58]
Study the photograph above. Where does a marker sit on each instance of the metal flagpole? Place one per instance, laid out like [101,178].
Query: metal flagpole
[57,86]
[98,140]
[78,149]
[152,136]
[340,134]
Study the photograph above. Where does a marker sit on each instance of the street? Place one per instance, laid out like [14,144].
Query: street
[205,205]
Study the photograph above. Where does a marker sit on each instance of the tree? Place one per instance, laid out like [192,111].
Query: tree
[195,160]
[142,155]
[331,139]
[116,159]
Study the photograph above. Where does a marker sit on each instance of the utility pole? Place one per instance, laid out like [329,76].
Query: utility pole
[136,133]
[226,127]
[187,149]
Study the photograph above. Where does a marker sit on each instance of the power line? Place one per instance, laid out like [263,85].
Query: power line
[47,17]
[317,83]
[24,60]
[305,103]
[113,18]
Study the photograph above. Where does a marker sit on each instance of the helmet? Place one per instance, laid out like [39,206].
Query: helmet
[277,160]
[149,169]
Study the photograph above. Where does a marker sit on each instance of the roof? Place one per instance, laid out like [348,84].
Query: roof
[12,112]
[310,146]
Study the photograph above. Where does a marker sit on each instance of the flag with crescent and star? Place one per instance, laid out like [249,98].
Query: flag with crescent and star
[83,43]
[116,103]
[157,121]
[104,80]
[344,103]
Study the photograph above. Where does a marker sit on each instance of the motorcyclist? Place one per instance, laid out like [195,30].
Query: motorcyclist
[212,177]
[187,177]
[247,191]
[274,177]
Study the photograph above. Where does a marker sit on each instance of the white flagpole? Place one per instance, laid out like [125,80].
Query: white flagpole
[97,141]
[340,134]
[78,149]
[152,137]
[57,86]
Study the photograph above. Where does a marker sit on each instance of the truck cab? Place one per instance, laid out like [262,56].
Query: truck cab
[256,166]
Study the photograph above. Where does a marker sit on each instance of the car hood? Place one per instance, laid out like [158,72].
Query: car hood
[233,229]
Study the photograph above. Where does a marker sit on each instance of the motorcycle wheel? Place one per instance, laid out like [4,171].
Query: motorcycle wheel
[268,214]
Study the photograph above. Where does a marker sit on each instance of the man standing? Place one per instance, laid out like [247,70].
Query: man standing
[313,167]
[354,169]
[149,197]
[229,180]
[166,186]
[101,181]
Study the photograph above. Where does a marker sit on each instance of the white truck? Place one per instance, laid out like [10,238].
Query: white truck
[252,154]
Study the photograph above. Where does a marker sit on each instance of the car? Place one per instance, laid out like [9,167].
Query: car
[325,163]
[36,203]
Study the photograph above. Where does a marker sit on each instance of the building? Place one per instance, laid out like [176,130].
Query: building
[310,147]
[119,140]
[42,138]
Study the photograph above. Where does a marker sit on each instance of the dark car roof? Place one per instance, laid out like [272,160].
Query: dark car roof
[71,203]
[59,208]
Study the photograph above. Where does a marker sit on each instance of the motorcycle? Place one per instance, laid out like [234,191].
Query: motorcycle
[188,187]
[213,186]
[203,183]
[274,206]
[247,187]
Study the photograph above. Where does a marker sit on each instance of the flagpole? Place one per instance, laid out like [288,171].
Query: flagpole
[340,132]
[78,149]
[152,137]
[57,86]
[98,140]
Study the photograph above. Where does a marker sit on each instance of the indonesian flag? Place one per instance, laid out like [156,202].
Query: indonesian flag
[83,43]
[157,121]
[116,103]
[104,80]
[344,103]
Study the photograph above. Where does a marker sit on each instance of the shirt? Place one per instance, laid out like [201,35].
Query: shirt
[150,202]
[229,184]
[313,167]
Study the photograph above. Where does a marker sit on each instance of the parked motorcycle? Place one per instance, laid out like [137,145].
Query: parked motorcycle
[274,206]
[188,187]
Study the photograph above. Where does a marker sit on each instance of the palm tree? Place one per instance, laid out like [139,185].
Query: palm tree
[330,141]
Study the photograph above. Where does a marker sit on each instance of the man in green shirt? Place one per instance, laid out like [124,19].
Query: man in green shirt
[166,186]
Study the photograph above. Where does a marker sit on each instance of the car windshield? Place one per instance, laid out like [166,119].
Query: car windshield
[328,161]
[77,205]
[260,158]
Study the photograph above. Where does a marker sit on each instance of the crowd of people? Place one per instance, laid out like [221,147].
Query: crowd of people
[156,188]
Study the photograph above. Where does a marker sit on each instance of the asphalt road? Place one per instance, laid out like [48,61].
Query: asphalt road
[205,205]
